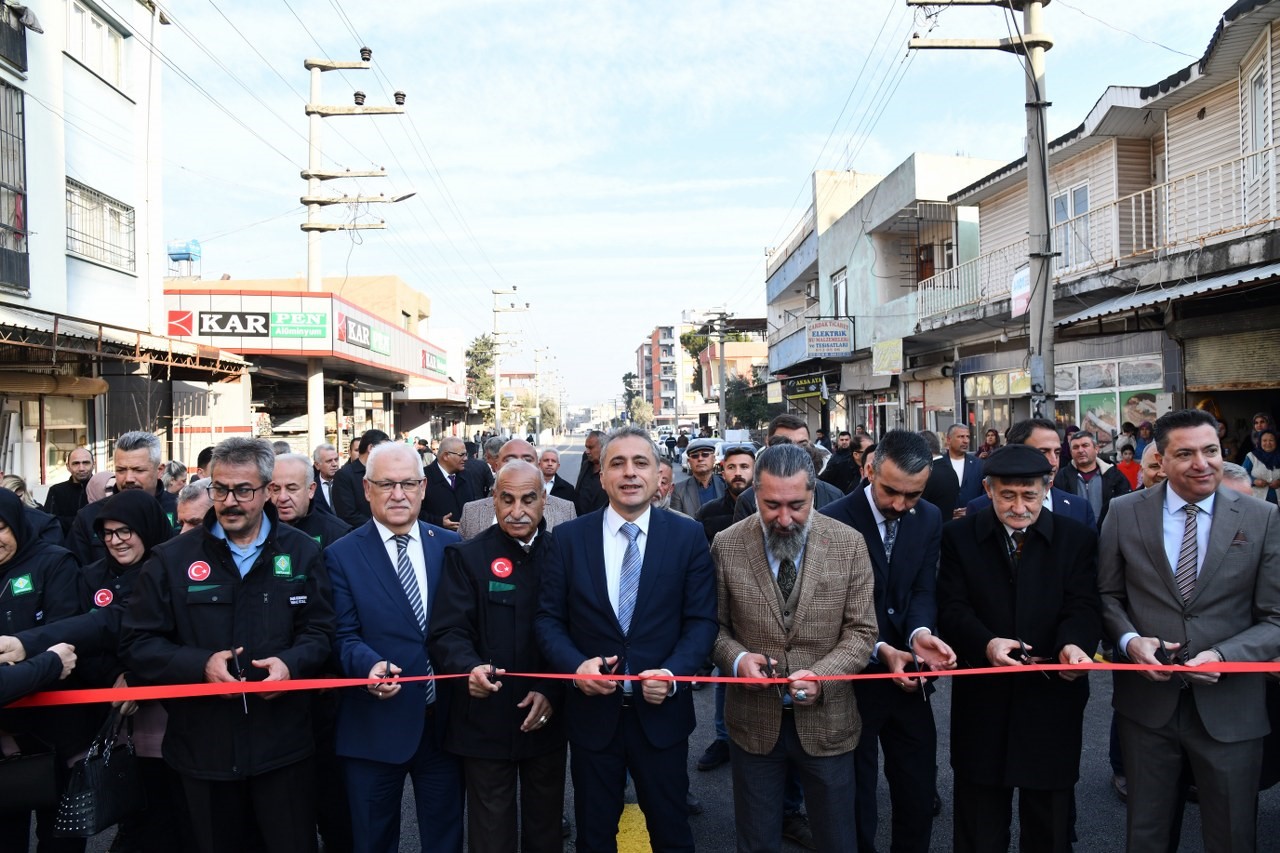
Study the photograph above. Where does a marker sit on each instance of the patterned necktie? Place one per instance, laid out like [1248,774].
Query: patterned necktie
[453,481]
[890,537]
[1016,538]
[629,580]
[787,577]
[409,581]
[1185,575]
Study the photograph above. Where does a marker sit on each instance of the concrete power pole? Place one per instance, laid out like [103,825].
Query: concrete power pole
[314,175]
[497,355]
[538,355]
[1032,44]
[721,322]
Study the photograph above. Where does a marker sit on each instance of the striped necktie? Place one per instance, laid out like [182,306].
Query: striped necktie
[1185,575]
[629,579]
[409,582]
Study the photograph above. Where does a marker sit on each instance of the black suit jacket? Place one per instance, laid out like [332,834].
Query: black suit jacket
[441,499]
[319,500]
[1018,730]
[349,502]
[946,492]
[562,488]
[906,584]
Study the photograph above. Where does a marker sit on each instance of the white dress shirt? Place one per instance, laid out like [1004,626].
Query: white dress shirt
[416,556]
[615,548]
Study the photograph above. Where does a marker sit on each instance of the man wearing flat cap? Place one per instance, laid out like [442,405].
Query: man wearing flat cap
[1017,585]
[704,484]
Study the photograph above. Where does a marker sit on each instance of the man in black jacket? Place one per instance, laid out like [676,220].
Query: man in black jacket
[1090,477]
[449,488]
[552,483]
[349,502]
[293,491]
[257,592]
[482,624]
[136,461]
[68,498]
[591,494]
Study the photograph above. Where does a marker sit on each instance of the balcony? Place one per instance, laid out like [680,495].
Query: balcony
[13,39]
[779,254]
[1216,204]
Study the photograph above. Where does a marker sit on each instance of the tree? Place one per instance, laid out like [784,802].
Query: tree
[630,389]
[550,408]
[748,404]
[480,372]
[641,412]
[694,343]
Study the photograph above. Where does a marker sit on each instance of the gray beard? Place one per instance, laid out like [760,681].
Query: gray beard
[663,502]
[786,547]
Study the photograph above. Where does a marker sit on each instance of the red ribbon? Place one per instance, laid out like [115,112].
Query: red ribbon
[186,691]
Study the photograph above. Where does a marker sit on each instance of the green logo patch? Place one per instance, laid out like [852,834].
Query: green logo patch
[173,520]
[499,586]
[21,585]
[282,566]
[318,542]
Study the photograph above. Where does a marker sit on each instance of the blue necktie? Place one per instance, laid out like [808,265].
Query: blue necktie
[629,580]
[409,581]
[890,537]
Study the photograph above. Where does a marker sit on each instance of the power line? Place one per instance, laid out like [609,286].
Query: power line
[1110,25]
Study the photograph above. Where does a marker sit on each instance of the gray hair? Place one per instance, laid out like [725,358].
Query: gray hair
[785,461]
[957,425]
[543,450]
[905,449]
[280,447]
[173,471]
[140,440]
[193,492]
[493,446]
[389,449]
[18,486]
[321,448]
[1232,471]
[299,459]
[629,432]
[597,434]
[238,450]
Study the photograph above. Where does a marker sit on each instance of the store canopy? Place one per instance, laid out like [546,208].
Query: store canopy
[1158,295]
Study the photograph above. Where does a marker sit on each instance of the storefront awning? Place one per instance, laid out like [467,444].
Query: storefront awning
[1157,295]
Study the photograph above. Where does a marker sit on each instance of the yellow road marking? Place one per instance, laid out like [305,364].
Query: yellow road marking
[632,835]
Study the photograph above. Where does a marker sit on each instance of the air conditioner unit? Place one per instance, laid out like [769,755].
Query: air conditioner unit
[811,290]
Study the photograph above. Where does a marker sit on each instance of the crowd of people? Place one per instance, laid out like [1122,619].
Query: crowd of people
[785,566]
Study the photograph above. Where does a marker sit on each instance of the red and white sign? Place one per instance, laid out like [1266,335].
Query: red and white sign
[501,568]
[102,597]
[198,571]
[182,324]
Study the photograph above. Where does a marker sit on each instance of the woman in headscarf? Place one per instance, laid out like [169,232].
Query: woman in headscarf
[131,524]
[1261,421]
[1263,465]
[38,586]
[990,443]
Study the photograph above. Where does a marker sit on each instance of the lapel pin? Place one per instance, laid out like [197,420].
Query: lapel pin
[431,533]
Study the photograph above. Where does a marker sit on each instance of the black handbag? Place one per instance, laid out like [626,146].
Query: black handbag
[29,779]
[105,785]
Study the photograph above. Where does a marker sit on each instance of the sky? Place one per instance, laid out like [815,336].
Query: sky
[616,162]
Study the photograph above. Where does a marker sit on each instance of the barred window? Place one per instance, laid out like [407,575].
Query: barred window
[14,268]
[99,228]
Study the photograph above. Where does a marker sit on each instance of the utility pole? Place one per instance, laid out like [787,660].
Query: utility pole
[315,174]
[721,319]
[1032,44]
[538,354]
[497,355]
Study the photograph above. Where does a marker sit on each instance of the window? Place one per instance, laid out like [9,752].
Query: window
[99,228]
[1071,227]
[1259,113]
[95,43]
[839,284]
[14,268]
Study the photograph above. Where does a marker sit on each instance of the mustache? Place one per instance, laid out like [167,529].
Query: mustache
[517,519]
[1017,516]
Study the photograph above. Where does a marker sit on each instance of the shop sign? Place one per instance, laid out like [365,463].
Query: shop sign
[352,331]
[886,357]
[379,342]
[299,324]
[798,389]
[239,324]
[830,338]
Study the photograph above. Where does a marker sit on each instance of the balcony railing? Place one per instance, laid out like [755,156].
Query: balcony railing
[1198,209]
[789,328]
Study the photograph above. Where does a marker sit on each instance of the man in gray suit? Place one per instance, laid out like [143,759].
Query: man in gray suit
[1190,572]
[478,516]
[704,484]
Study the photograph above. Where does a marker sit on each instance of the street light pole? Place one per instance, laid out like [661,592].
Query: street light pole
[497,355]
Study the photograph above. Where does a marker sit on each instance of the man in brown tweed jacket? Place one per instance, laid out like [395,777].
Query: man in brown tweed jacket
[795,596]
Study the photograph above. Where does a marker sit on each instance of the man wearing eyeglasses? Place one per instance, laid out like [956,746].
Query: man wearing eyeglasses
[704,484]
[449,489]
[244,599]
[386,575]
[136,461]
[1017,586]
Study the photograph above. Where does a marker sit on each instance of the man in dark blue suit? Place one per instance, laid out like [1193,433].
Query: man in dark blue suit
[325,457]
[1042,434]
[956,477]
[903,534]
[385,577]
[630,590]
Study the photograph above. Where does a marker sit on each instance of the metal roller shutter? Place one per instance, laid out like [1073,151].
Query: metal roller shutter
[1233,362]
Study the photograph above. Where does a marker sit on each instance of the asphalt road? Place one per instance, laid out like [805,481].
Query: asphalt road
[1100,825]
